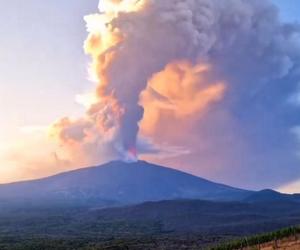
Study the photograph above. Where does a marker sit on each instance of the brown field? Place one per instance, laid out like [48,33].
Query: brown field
[289,243]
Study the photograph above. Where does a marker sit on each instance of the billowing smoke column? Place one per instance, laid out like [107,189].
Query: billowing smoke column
[129,41]
[202,77]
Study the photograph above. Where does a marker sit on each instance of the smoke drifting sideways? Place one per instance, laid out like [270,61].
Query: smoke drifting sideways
[191,79]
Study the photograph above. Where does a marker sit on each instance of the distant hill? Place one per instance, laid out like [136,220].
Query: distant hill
[180,216]
[118,183]
[269,195]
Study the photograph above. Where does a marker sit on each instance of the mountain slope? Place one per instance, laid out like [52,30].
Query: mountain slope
[120,183]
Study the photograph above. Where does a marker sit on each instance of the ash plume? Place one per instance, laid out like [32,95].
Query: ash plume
[128,42]
[219,71]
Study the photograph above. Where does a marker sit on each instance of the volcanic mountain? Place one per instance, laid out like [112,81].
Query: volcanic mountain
[119,183]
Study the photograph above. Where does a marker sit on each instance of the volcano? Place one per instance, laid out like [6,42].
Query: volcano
[119,183]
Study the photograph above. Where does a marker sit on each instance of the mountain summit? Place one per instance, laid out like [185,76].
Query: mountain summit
[120,183]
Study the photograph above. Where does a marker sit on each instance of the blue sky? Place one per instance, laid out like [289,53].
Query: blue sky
[289,9]
[42,60]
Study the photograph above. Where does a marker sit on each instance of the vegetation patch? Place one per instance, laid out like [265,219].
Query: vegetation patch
[259,239]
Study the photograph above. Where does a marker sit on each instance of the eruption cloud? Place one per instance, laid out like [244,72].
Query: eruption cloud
[123,60]
[195,78]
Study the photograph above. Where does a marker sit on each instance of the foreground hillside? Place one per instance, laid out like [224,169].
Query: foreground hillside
[290,243]
[284,239]
[177,224]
